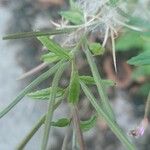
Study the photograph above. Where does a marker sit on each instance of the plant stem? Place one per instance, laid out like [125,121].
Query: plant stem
[74,140]
[37,34]
[33,71]
[113,125]
[76,123]
[31,133]
[35,129]
[27,89]
[99,83]
[51,105]
[147,108]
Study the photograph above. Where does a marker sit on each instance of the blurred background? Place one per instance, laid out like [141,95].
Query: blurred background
[18,56]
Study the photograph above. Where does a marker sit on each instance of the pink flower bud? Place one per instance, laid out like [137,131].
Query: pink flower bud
[139,131]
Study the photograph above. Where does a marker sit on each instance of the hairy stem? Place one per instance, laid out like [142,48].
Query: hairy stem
[31,133]
[51,105]
[76,124]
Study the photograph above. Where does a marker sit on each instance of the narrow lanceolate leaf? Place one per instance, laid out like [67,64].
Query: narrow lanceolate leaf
[112,124]
[88,124]
[28,89]
[74,86]
[45,93]
[99,83]
[63,122]
[141,59]
[90,80]
[54,47]
[36,34]
[87,79]
[50,57]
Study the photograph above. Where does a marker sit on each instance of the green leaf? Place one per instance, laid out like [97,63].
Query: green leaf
[129,40]
[99,83]
[73,16]
[61,122]
[96,48]
[50,57]
[74,86]
[88,124]
[37,33]
[146,46]
[144,89]
[26,90]
[87,79]
[141,59]
[140,22]
[146,36]
[141,71]
[111,123]
[54,47]
[90,80]
[45,93]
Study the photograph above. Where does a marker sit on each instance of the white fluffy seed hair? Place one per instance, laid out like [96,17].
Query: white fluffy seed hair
[101,18]
[107,18]
[98,18]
